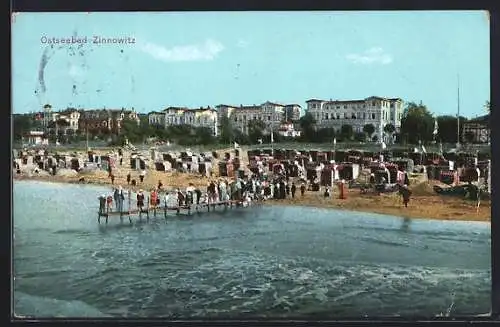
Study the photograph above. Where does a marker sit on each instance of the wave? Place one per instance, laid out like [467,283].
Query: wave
[277,287]
[26,305]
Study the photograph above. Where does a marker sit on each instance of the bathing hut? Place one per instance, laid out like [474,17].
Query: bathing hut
[329,174]
[348,171]
[404,164]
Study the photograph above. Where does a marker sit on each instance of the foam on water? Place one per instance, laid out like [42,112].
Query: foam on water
[26,305]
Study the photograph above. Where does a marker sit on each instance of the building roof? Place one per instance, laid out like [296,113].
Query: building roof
[314,100]
[293,105]
[274,103]
[480,120]
[345,101]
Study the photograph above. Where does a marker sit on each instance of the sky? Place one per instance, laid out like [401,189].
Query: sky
[200,59]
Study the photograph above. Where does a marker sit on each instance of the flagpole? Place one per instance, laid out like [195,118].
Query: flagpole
[458,111]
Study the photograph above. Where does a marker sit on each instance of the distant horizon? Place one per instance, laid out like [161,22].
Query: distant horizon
[324,55]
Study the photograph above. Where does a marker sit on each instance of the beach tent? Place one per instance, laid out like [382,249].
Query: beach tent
[75,164]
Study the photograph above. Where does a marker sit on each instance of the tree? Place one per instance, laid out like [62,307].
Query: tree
[226,131]
[21,125]
[417,123]
[325,135]
[131,131]
[389,130]
[346,132]
[307,123]
[256,129]
[447,128]
[369,129]
[469,137]
[487,106]
[204,136]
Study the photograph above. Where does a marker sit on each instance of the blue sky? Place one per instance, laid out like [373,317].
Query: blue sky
[210,58]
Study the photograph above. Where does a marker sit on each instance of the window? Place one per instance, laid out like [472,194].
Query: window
[345,115]
[345,106]
[269,118]
[338,116]
[364,115]
[373,116]
[338,107]
[353,116]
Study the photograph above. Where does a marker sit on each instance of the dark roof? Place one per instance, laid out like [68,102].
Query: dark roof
[480,120]
[346,101]
[293,104]
[314,100]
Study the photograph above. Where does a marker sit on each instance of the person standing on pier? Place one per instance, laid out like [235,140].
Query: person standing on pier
[120,197]
[293,189]
[153,198]
[142,175]
[140,200]
[128,178]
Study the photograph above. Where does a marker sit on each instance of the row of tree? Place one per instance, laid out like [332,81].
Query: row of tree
[417,125]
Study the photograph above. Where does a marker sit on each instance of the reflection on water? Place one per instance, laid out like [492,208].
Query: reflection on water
[264,261]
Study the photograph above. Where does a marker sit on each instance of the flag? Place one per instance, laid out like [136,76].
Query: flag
[236,145]
[384,146]
[423,149]
[435,132]
[272,137]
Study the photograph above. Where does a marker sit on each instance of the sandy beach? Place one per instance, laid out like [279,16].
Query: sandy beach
[424,204]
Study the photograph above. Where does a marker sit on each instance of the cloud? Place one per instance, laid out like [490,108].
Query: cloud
[242,43]
[205,51]
[370,56]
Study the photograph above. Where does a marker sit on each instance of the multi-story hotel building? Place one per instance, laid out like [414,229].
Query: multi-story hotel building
[374,110]
[479,127]
[200,117]
[107,121]
[272,114]
[71,116]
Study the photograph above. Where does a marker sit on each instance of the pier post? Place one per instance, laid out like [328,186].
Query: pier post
[147,210]
[107,215]
[165,211]
[189,209]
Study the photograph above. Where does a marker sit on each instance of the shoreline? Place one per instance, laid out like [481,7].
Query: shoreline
[426,207]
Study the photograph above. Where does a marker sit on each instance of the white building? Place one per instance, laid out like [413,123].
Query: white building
[174,116]
[288,130]
[71,116]
[271,114]
[373,110]
[35,138]
[156,118]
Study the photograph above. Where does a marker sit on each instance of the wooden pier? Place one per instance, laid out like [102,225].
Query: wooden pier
[155,210]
